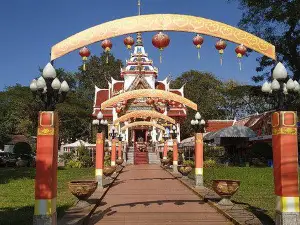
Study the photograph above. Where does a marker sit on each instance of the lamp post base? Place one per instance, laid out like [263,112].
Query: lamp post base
[45,219]
[99,179]
[199,180]
[287,218]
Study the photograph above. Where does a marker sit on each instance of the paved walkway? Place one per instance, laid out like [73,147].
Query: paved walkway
[146,194]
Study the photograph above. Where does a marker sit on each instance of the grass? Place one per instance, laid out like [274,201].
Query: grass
[256,189]
[17,193]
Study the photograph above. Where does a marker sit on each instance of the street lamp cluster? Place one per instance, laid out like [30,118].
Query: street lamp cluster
[100,122]
[49,88]
[174,132]
[198,123]
[278,85]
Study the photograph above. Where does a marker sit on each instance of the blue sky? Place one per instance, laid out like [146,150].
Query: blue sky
[30,28]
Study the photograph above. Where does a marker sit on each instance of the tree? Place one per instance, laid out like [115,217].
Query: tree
[205,90]
[98,73]
[18,113]
[277,22]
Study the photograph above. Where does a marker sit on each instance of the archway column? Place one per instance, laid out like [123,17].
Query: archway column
[113,152]
[285,167]
[120,150]
[46,169]
[199,159]
[99,158]
[165,152]
[175,156]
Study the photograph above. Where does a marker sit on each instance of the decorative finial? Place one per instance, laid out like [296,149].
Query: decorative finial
[139,40]
[139,7]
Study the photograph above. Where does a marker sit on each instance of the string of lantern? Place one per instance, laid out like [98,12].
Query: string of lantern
[161,41]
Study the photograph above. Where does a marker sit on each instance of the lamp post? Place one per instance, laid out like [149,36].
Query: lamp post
[174,134]
[198,124]
[285,149]
[120,137]
[50,91]
[113,134]
[100,141]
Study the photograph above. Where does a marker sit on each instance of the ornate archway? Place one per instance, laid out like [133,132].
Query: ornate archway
[143,123]
[162,22]
[152,93]
[144,113]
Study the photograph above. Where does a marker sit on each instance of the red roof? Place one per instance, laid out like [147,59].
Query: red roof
[118,86]
[175,113]
[101,97]
[215,125]
[160,86]
[106,113]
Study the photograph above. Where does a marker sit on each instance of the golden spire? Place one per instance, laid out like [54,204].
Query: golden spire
[139,40]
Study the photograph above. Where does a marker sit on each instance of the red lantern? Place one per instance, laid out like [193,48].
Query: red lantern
[84,53]
[240,52]
[220,46]
[118,110]
[151,101]
[106,45]
[129,42]
[160,41]
[198,41]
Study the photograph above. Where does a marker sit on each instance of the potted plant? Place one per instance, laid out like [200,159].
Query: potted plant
[119,161]
[165,162]
[108,170]
[186,167]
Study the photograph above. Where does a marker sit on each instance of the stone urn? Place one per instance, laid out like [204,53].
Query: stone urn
[226,189]
[109,170]
[119,161]
[185,170]
[165,162]
[82,189]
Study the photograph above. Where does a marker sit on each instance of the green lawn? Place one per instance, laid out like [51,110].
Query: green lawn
[17,193]
[256,190]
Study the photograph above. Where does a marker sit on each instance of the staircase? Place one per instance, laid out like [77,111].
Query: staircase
[140,158]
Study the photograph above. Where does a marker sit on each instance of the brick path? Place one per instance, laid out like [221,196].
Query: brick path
[146,194]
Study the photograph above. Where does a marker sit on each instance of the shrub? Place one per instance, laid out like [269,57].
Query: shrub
[189,163]
[74,164]
[21,148]
[209,163]
[107,160]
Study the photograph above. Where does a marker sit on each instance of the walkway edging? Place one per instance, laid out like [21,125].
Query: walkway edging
[84,218]
[234,221]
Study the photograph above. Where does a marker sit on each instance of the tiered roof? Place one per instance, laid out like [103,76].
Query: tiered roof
[139,73]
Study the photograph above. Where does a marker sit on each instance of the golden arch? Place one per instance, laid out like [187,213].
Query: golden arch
[153,93]
[144,113]
[143,123]
[159,22]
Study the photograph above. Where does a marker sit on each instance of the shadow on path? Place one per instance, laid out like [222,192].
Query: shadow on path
[98,216]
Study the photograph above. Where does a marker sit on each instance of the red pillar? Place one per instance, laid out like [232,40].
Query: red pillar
[285,165]
[46,168]
[120,150]
[175,155]
[199,159]
[99,158]
[113,152]
[165,153]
